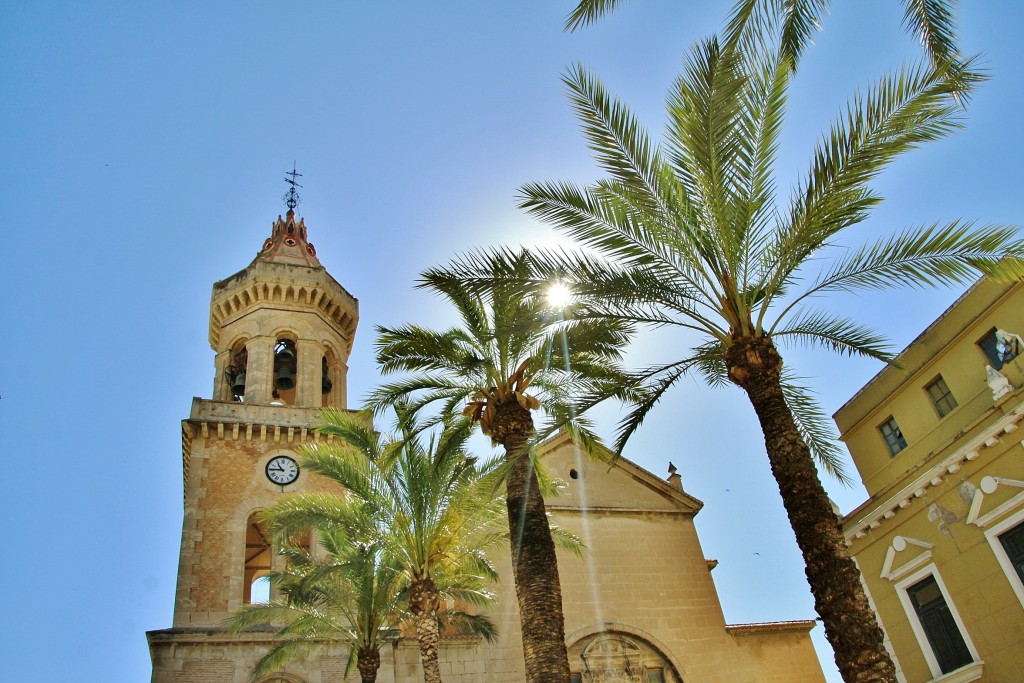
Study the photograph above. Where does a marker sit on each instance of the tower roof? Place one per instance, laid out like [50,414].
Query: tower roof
[288,243]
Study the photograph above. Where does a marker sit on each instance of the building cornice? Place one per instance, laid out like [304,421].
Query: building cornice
[260,285]
[878,510]
[802,626]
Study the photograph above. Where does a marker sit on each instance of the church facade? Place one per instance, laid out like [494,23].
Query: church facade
[640,606]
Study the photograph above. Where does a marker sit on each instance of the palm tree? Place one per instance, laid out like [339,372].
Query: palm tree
[505,362]
[687,235]
[932,21]
[353,595]
[431,507]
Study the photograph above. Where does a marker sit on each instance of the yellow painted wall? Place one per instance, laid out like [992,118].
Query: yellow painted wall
[925,494]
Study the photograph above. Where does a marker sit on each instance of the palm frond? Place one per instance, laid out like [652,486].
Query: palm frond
[802,18]
[837,334]
[901,112]
[930,256]
[588,12]
[934,23]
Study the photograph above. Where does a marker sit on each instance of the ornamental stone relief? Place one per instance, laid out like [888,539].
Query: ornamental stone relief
[615,658]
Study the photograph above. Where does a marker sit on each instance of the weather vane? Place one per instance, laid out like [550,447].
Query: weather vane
[292,198]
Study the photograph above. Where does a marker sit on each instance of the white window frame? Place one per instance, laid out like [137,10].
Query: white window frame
[970,672]
[992,536]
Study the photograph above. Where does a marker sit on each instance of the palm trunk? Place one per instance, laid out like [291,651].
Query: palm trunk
[534,565]
[839,599]
[423,603]
[368,662]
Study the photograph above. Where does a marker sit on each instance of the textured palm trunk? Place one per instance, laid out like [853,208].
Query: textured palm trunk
[839,599]
[534,565]
[368,662]
[423,603]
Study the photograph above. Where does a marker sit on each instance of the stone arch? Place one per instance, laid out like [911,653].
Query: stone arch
[282,678]
[258,555]
[614,652]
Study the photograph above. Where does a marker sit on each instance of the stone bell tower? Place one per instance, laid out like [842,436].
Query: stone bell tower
[282,330]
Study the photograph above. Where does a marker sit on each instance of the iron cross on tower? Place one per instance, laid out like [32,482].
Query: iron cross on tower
[292,198]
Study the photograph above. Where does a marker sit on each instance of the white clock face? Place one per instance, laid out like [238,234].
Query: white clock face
[282,470]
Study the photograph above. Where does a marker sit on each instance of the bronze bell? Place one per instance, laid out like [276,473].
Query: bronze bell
[284,378]
[285,356]
[238,383]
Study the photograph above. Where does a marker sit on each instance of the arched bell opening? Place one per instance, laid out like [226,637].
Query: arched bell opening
[328,370]
[235,374]
[286,363]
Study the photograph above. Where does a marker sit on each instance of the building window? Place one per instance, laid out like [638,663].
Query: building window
[938,624]
[1007,541]
[1000,347]
[575,678]
[1013,543]
[655,676]
[942,397]
[893,436]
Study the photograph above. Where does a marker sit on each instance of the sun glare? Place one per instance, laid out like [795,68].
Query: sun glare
[559,295]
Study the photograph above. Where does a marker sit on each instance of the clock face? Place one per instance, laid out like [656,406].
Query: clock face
[282,470]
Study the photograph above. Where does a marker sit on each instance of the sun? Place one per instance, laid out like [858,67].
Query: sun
[559,295]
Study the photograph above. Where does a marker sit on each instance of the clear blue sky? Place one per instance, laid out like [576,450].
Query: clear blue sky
[144,150]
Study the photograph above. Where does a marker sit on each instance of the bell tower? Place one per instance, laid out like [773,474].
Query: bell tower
[282,330]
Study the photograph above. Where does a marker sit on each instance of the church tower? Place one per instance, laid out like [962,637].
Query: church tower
[282,330]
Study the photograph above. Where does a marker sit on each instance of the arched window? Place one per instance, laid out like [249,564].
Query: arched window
[285,367]
[258,557]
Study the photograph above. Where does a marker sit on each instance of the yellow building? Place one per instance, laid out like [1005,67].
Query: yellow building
[940,541]
[641,607]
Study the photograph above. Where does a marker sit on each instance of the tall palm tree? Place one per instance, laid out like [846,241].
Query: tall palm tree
[351,596]
[932,21]
[687,234]
[502,363]
[431,507]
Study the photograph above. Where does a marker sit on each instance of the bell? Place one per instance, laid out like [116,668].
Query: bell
[284,378]
[285,356]
[325,385]
[238,384]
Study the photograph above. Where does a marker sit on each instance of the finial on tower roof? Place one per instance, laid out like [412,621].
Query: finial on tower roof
[292,198]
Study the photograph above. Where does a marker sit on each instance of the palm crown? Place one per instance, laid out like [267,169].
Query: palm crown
[511,345]
[421,499]
[510,356]
[696,239]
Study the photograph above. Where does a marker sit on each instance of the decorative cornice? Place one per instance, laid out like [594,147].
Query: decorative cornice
[614,510]
[250,422]
[802,626]
[326,298]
